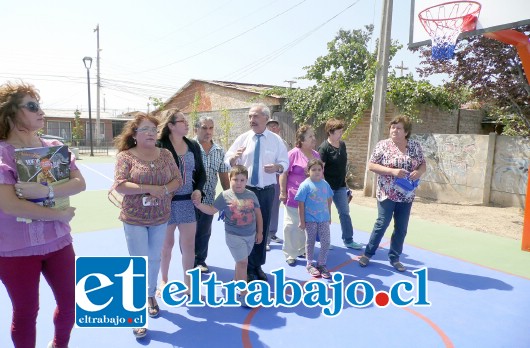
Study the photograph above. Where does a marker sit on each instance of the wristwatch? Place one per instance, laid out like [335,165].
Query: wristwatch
[280,169]
[51,194]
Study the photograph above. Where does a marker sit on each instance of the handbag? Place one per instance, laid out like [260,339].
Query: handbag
[407,184]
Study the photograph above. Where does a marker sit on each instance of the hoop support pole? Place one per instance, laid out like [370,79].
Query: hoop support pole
[525,243]
[521,43]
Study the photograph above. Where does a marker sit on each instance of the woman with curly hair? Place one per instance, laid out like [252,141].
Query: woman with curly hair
[42,243]
[146,176]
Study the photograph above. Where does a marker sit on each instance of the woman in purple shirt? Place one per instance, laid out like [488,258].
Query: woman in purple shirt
[42,244]
[290,180]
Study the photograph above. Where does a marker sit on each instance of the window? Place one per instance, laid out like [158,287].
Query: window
[59,128]
[101,130]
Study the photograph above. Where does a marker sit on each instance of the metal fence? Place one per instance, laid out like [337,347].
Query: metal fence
[98,148]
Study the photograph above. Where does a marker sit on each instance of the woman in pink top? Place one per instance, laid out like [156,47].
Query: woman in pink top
[43,244]
[290,180]
[146,176]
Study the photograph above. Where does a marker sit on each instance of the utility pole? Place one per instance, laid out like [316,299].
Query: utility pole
[290,82]
[379,101]
[401,67]
[98,84]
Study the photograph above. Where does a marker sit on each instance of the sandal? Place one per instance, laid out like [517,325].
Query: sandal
[364,261]
[399,266]
[324,272]
[313,271]
[139,332]
[153,308]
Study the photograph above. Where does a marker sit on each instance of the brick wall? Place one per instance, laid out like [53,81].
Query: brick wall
[433,121]
[238,117]
[215,98]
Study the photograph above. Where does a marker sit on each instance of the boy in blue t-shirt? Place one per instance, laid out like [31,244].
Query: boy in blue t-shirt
[314,198]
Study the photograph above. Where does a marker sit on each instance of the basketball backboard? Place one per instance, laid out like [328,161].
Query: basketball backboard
[494,15]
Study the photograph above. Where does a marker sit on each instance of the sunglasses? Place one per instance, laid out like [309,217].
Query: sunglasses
[31,106]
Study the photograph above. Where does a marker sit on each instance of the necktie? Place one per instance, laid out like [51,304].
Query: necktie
[255,164]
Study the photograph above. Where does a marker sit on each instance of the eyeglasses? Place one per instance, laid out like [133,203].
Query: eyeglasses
[31,106]
[147,130]
[183,121]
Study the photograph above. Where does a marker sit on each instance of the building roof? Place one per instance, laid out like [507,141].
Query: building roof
[246,87]
[103,115]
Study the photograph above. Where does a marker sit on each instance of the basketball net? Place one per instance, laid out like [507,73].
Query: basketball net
[444,22]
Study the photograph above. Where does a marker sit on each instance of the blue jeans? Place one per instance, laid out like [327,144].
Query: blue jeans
[340,198]
[385,210]
[147,241]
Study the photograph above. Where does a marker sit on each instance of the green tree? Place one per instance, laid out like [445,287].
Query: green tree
[194,114]
[225,125]
[158,103]
[492,72]
[77,130]
[343,84]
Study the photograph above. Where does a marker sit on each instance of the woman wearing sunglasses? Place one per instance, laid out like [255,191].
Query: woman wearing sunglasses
[146,176]
[44,244]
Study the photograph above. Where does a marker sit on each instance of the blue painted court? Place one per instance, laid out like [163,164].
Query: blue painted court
[472,305]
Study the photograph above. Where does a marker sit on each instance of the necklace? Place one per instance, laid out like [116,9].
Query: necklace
[335,148]
[146,156]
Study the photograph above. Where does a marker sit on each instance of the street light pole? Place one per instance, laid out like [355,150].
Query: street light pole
[88,63]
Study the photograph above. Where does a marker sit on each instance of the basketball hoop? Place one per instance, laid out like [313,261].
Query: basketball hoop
[444,22]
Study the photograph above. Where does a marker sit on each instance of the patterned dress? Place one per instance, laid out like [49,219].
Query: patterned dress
[183,211]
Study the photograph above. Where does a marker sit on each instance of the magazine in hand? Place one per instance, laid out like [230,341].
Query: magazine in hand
[47,166]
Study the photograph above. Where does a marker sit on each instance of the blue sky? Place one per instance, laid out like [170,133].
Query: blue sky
[152,48]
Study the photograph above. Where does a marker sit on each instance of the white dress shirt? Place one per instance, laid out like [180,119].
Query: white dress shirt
[272,151]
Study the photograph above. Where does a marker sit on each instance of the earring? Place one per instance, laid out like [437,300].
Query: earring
[134,141]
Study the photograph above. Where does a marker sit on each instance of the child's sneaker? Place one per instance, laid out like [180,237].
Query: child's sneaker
[313,271]
[324,271]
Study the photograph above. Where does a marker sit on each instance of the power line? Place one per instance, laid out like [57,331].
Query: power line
[226,41]
[216,31]
[257,64]
[179,28]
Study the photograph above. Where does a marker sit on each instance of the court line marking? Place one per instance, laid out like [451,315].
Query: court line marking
[95,171]
[245,329]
